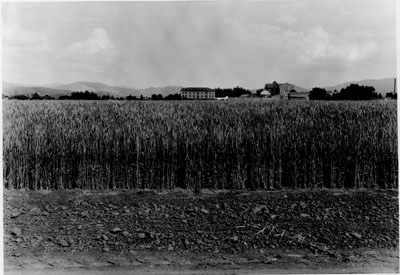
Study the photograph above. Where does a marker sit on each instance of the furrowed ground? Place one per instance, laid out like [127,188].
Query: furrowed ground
[225,230]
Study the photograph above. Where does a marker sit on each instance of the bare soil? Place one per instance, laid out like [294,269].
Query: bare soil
[283,231]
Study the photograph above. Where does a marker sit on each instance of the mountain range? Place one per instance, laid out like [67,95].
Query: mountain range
[381,86]
[58,89]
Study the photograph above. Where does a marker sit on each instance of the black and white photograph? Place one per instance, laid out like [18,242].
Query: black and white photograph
[199,137]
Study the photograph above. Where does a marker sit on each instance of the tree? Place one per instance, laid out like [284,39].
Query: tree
[130,97]
[21,97]
[239,91]
[235,92]
[173,97]
[36,96]
[356,92]
[391,95]
[318,94]
[156,97]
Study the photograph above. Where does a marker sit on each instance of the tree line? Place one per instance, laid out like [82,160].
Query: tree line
[235,92]
[93,96]
[230,92]
[351,92]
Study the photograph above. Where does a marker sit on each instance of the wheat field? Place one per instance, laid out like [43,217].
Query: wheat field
[233,144]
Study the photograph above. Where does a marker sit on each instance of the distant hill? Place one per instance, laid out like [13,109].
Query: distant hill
[59,89]
[42,91]
[97,87]
[382,86]
[167,90]
[117,91]
[299,89]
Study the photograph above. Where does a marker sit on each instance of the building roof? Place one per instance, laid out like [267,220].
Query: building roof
[274,84]
[196,89]
[271,85]
[265,92]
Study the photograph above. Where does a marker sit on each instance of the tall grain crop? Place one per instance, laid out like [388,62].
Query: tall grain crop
[234,144]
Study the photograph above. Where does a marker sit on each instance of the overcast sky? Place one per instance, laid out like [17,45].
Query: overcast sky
[225,44]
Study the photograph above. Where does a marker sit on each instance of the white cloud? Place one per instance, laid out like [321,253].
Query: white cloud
[318,45]
[287,19]
[19,42]
[98,43]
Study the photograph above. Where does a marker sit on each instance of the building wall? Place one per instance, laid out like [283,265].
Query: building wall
[299,96]
[198,93]
[284,89]
[273,88]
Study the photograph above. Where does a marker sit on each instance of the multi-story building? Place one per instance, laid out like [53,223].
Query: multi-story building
[198,93]
[273,88]
[281,89]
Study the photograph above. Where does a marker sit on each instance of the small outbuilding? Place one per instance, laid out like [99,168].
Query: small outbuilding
[298,96]
[265,93]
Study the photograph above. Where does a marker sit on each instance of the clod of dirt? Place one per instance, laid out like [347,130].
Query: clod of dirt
[260,208]
[64,243]
[355,234]
[235,238]
[205,211]
[106,249]
[303,204]
[16,232]
[85,214]
[116,230]
[14,213]
[104,237]
[35,211]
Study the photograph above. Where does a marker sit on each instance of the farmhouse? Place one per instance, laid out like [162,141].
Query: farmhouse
[281,89]
[198,93]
